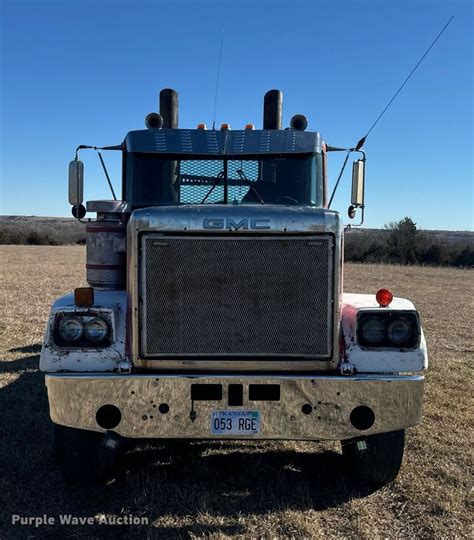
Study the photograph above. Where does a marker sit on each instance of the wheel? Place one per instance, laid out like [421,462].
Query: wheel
[84,457]
[375,459]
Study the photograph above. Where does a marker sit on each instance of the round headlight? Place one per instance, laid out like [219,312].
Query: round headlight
[70,329]
[96,330]
[399,331]
[373,330]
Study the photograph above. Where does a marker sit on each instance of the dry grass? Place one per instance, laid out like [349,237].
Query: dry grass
[270,490]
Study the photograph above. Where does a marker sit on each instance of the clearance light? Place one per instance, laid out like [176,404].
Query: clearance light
[202,126]
[384,297]
[225,126]
[249,126]
[84,296]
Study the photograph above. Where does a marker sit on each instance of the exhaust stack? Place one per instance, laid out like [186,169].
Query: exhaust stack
[272,109]
[169,107]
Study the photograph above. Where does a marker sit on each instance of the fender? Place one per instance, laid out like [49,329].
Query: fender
[377,359]
[54,358]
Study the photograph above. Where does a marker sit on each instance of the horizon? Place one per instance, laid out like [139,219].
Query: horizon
[353,228]
[97,78]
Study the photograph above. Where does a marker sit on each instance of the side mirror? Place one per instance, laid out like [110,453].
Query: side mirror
[76,182]
[358,180]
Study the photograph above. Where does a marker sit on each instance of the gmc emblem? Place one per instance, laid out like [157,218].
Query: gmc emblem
[219,224]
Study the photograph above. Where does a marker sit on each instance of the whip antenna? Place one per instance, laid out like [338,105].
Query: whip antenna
[217,79]
[362,141]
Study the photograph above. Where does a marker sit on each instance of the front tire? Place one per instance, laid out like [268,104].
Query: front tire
[375,459]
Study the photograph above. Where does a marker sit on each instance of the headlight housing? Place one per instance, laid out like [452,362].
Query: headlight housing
[82,330]
[393,329]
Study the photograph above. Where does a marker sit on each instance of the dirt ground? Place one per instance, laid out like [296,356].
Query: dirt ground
[262,490]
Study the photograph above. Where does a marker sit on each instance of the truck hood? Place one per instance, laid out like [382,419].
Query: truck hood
[262,219]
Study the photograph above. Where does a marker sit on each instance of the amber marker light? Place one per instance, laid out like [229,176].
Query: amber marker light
[249,126]
[202,126]
[225,126]
[384,297]
[84,296]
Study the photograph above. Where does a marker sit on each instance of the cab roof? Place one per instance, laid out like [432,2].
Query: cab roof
[223,142]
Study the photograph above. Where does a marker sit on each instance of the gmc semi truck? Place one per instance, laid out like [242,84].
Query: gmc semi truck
[216,310]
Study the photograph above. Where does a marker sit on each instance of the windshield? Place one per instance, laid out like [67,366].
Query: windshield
[152,179]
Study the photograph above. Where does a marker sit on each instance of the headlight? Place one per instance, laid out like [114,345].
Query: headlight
[71,329]
[392,329]
[399,331]
[373,330]
[82,330]
[96,330]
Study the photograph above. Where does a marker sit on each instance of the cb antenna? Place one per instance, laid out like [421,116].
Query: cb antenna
[360,144]
[217,79]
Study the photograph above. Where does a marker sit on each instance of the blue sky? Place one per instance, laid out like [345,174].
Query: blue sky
[87,72]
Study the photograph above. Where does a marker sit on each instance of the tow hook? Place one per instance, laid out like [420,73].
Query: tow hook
[361,445]
[111,441]
[110,449]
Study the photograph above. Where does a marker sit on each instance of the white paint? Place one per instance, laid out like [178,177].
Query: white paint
[381,360]
[361,301]
[54,359]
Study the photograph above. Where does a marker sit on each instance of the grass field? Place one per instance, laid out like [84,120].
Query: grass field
[264,490]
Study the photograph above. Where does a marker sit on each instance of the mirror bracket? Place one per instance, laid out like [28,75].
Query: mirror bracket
[352,211]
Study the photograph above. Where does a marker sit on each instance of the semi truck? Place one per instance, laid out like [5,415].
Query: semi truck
[216,309]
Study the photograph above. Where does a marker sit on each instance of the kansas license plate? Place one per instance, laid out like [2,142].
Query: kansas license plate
[235,422]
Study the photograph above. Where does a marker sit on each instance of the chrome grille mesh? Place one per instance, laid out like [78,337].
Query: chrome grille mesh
[236,296]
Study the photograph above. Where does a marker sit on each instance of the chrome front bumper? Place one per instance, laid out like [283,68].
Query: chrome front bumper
[396,402]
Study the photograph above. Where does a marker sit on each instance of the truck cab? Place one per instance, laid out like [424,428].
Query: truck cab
[215,307]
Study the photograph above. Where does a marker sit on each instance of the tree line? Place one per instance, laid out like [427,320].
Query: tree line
[398,243]
[403,243]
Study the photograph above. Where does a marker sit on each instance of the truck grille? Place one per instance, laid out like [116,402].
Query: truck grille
[236,296]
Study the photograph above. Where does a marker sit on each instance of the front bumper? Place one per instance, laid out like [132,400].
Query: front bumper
[396,402]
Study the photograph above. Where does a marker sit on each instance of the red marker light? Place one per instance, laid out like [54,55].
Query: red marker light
[384,297]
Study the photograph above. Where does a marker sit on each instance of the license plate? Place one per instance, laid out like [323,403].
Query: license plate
[235,422]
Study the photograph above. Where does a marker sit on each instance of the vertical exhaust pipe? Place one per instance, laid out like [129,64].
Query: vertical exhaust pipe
[169,113]
[169,107]
[272,109]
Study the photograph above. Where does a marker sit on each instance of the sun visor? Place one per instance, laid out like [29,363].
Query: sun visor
[218,143]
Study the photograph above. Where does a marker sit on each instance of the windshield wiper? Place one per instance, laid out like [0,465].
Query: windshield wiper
[218,177]
[241,173]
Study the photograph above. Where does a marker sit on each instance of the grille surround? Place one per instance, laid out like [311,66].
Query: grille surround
[172,325]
